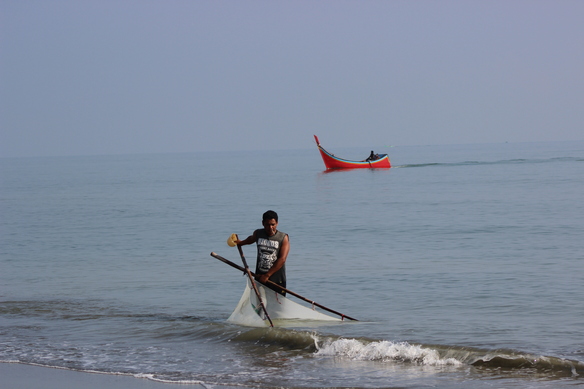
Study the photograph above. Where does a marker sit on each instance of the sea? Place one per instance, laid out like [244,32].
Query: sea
[464,265]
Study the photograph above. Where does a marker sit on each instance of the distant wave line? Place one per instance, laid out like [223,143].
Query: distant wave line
[501,162]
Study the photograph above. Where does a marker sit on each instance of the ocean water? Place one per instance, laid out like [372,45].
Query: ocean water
[463,263]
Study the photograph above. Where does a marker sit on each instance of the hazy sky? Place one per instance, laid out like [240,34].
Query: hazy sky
[110,77]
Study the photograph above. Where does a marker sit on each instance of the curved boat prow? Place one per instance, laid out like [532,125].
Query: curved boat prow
[333,162]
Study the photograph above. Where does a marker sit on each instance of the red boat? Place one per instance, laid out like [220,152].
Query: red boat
[375,161]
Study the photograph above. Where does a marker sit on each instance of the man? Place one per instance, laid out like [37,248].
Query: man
[372,157]
[273,247]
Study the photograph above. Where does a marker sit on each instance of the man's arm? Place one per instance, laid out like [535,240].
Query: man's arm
[249,240]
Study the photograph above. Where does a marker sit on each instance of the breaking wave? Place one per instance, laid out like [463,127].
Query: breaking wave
[433,355]
[385,351]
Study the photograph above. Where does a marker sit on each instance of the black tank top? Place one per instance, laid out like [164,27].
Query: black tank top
[268,251]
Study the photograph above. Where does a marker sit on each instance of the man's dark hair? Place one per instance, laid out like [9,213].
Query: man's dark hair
[268,215]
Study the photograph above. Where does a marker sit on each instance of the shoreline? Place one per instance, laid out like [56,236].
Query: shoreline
[16,375]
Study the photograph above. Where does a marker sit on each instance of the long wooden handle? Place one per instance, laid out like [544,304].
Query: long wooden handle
[343,316]
[255,288]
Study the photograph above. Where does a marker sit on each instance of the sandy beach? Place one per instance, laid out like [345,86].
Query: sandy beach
[19,376]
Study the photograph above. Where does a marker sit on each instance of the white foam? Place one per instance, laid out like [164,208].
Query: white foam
[384,351]
[152,377]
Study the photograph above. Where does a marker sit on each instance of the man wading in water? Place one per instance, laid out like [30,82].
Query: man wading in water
[273,247]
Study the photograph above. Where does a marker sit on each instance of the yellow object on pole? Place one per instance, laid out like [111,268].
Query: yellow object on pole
[231,240]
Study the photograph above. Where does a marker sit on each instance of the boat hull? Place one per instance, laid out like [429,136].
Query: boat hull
[333,162]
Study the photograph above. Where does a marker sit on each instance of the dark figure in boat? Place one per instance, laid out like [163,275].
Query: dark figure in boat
[372,157]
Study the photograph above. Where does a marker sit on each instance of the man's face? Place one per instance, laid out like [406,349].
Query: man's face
[271,226]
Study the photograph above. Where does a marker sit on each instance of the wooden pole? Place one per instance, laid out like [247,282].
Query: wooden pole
[255,288]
